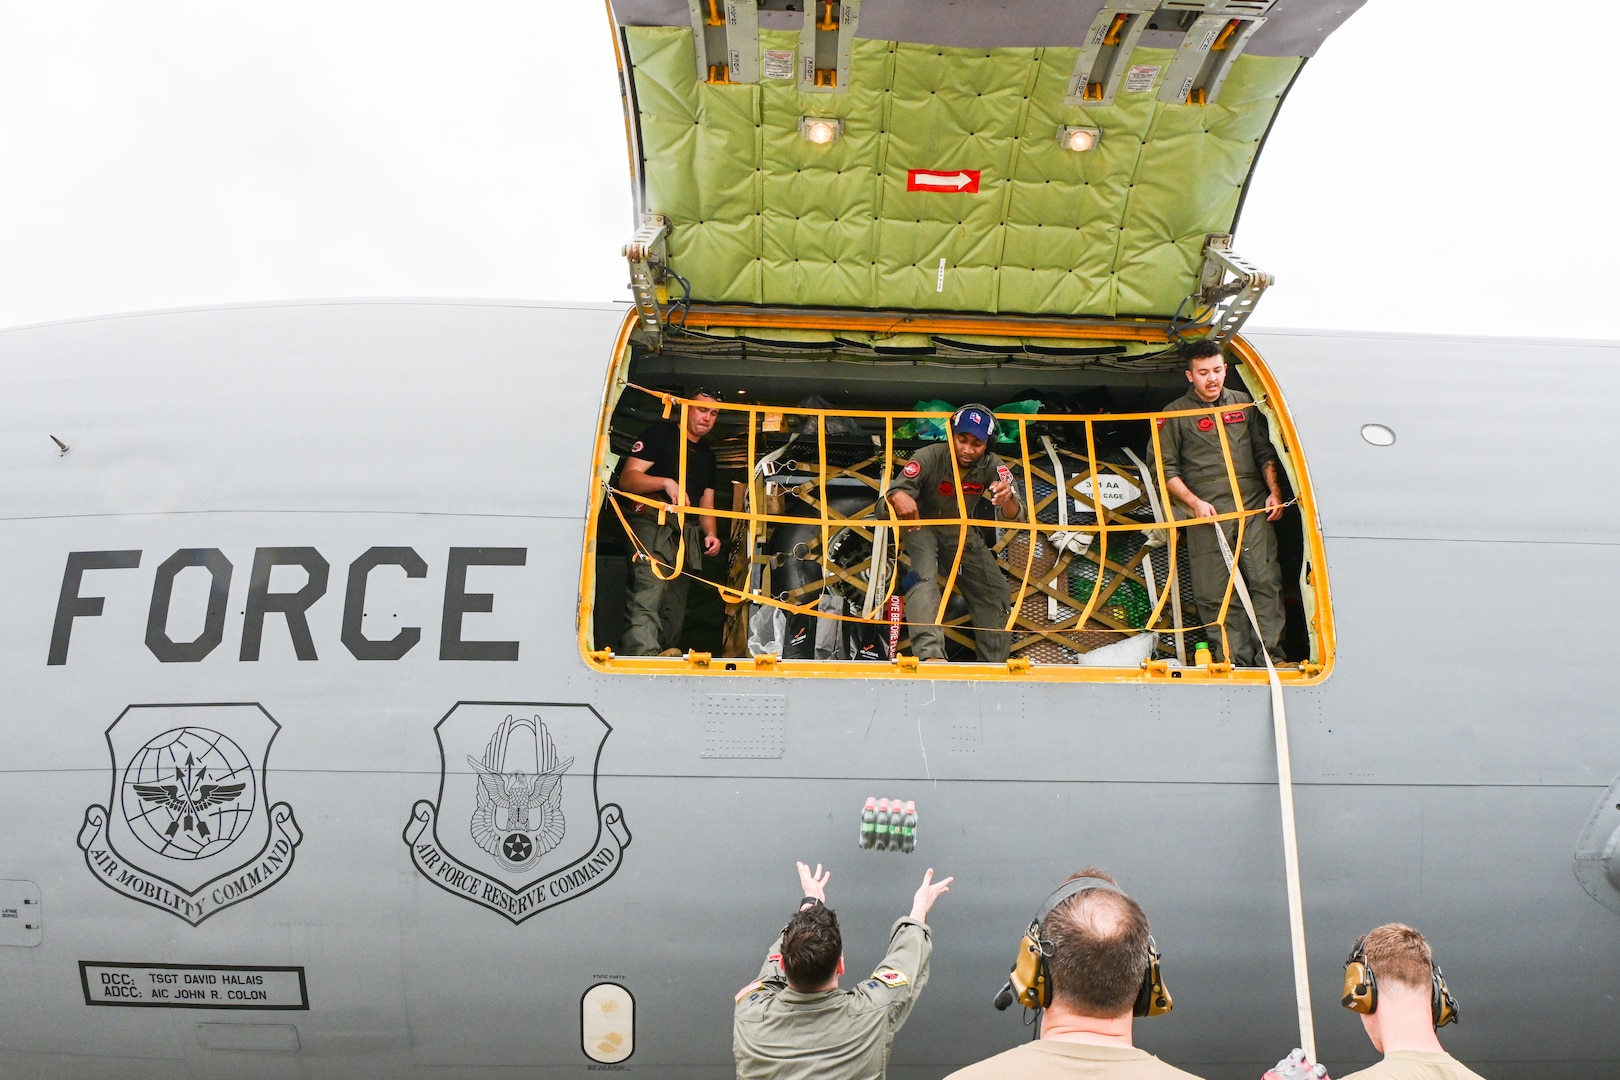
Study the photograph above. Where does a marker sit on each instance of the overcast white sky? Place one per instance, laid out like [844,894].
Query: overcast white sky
[167,154]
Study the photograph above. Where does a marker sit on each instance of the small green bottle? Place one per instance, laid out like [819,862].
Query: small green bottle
[869,823]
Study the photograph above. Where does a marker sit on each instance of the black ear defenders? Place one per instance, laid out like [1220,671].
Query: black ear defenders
[1361,988]
[974,406]
[1030,982]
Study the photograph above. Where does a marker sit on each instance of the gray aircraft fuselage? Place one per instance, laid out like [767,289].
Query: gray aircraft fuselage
[428,466]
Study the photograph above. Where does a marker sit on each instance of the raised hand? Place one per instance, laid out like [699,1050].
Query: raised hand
[927,893]
[814,884]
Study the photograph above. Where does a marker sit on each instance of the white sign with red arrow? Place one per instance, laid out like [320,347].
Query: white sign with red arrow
[938,180]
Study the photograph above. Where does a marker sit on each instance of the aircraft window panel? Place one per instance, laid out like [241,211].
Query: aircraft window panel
[812,566]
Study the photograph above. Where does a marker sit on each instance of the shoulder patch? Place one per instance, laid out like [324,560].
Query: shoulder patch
[912,470]
[749,989]
[890,977]
[636,449]
[1159,422]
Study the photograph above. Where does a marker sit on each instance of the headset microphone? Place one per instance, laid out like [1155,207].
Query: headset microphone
[1005,996]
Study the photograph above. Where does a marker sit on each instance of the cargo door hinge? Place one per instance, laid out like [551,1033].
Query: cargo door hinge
[825,44]
[725,38]
[1232,298]
[1215,38]
[645,253]
[1106,51]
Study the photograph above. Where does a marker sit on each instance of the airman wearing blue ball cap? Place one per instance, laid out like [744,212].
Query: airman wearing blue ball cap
[927,488]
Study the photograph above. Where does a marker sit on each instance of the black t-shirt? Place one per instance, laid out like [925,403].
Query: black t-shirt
[661,445]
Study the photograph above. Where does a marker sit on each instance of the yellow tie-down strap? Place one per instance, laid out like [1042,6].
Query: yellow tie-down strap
[829,519]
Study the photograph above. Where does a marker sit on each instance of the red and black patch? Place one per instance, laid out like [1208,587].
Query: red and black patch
[1236,416]
[1205,424]
[972,489]
[1159,423]
[912,470]
[636,449]
[947,488]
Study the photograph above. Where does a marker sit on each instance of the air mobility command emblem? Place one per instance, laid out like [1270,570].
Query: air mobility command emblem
[189,827]
[517,826]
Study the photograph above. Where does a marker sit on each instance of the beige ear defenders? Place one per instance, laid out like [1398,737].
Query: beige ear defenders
[1030,982]
[1361,988]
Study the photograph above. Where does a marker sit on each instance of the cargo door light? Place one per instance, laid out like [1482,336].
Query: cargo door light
[1078,139]
[820,129]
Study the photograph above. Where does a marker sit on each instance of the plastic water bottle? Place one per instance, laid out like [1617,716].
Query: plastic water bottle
[1296,1066]
[869,823]
[1201,654]
[897,824]
[908,835]
[882,825]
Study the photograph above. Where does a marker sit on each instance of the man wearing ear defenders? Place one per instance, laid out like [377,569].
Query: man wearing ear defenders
[1391,979]
[1089,965]
[926,487]
[794,1023]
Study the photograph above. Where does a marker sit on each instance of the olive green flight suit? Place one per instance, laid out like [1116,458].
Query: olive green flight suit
[784,1034]
[1192,450]
[929,479]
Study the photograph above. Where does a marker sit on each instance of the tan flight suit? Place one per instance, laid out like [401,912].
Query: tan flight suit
[928,478]
[1192,451]
[1416,1065]
[1051,1059]
[784,1034]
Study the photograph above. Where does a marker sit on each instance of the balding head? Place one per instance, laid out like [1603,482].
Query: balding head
[1099,949]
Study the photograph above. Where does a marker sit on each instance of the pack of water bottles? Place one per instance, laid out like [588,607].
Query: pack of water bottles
[889,825]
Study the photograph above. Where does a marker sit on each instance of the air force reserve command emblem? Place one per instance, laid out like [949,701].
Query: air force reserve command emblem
[517,826]
[189,827]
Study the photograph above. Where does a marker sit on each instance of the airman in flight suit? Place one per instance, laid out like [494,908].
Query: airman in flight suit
[1195,474]
[926,488]
[794,1023]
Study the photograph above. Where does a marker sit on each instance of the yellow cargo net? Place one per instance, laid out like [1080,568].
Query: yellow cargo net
[1034,553]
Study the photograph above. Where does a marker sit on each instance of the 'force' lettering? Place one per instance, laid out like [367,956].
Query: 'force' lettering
[294,605]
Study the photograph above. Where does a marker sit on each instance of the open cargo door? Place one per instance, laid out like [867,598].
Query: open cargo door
[1040,158]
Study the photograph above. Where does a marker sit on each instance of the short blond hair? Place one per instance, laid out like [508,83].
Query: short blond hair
[1396,953]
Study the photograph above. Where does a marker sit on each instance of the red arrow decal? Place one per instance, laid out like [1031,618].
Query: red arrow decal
[935,180]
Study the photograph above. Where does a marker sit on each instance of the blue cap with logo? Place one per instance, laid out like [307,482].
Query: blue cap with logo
[974,421]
